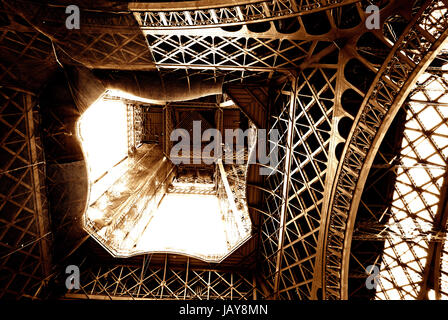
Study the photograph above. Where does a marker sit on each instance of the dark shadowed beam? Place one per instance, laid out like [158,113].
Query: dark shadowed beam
[209,13]
[252,101]
[42,220]
[355,161]
[431,273]
[286,186]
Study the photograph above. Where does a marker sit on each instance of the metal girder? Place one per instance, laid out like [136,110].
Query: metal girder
[270,222]
[163,282]
[24,48]
[134,126]
[415,227]
[286,184]
[245,55]
[228,53]
[203,14]
[253,102]
[168,127]
[42,220]
[313,117]
[431,275]
[229,194]
[291,223]
[107,40]
[409,58]
[24,214]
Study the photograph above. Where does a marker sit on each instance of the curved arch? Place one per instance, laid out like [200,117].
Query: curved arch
[391,87]
[207,13]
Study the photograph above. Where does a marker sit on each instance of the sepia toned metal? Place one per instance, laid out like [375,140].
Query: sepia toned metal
[218,13]
[310,69]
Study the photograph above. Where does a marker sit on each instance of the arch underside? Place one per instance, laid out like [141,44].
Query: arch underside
[333,90]
[394,82]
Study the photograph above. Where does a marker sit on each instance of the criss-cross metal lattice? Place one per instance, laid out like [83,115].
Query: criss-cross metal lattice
[150,282]
[290,229]
[310,203]
[236,58]
[416,47]
[134,126]
[407,224]
[152,16]
[24,227]
[415,204]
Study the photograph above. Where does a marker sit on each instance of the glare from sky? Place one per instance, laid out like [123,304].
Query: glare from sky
[103,133]
[193,218]
[127,221]
[417,191]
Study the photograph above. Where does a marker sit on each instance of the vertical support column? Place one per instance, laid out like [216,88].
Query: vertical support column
[254,287]
[286,185]
[168,126]
[332,166]
[229,197]
[231,286]
[208,284]
[219,121]
[186,279]
[41,214]
[162,285]
[131,128]
[431,274]
[138,125]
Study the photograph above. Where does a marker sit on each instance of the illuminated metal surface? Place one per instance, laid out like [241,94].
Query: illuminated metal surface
[408,59]
[211,13]
[412,228]
[150,282]
[25,234]
[311,199]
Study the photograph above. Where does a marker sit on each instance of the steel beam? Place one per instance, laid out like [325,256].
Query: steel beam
[286,186]
[209,13]
[432,271]
[391,87]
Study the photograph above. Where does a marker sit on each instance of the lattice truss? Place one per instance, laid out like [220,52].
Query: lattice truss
[23,48]
[242,12]
[290,231]
[106,41]
[420,176]
[270,227]
[106,50]
[24,231]
[134,126]
[395,69]
[149,282]
[310,151]
[249,52]
[307,110]
[237,58]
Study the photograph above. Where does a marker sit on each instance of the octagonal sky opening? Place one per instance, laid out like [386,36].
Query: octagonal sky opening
[139,203]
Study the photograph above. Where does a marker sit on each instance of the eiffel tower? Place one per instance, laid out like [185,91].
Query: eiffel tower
[356,89]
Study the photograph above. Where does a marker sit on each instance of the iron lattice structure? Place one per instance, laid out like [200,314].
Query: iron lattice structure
[310,69]
[144,282]
[386,95]
[210,14]
[412,230]
[25,233]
